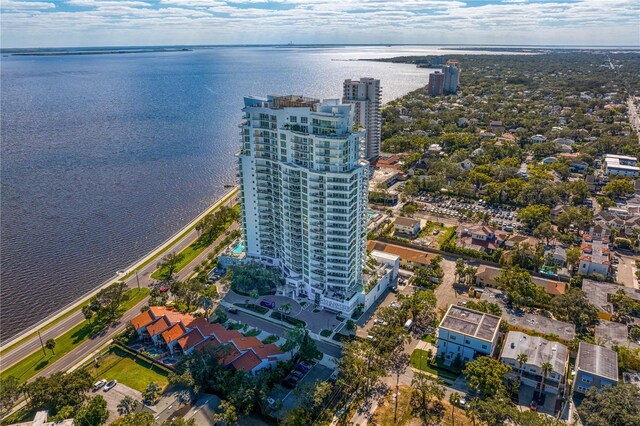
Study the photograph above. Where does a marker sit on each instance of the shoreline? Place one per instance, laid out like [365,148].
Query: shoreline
[124,274]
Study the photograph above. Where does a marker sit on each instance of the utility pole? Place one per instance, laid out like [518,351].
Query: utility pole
[137,279]
[41,344]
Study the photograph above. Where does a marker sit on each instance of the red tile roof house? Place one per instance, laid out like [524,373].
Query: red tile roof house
[182,334]
[480,237]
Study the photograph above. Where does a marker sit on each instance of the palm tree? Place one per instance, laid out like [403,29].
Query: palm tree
[522,360]
[50,344]
[546,368]
[454,399]
[127,405]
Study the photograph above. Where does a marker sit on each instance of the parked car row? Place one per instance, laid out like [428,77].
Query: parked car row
[106,386]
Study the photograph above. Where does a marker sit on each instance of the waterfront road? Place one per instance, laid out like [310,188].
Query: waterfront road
[144,276]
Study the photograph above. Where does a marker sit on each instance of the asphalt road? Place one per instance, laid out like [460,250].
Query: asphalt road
[76,318]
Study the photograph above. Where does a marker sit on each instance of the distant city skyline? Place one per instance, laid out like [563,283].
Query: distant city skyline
[67,23]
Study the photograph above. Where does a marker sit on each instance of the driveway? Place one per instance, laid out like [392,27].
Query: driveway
[627,271]
[114,396]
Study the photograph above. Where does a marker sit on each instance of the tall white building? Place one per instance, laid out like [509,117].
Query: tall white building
[365,95]
[451,77]
[304,196]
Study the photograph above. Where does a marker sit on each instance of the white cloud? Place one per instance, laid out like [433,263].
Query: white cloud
[15,5]
[324,21]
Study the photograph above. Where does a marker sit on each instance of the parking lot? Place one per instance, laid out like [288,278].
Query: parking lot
[504,217]
[114,396]
[529,320]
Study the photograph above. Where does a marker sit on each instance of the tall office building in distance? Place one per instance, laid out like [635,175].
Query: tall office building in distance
[436,84]
[304,196]
[365,95]
[451,76]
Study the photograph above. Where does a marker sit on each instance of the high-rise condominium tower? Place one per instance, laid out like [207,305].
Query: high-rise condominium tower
[436,84]
[451,76]
[365,95]
[304,196]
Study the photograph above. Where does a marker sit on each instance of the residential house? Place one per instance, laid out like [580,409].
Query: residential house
[596,366]
[556,255]
[389,162]
[42,419]
[519,239]
[486,276]
[594,257]
[465,334]
[180,333]
[578,166]
[611,333]
[409,258]
[538,139]
[406,226]
[538,352]
[599,295]
[549,160]
[480,237]
[466,165]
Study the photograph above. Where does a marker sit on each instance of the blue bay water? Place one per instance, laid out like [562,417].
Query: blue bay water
[103,157]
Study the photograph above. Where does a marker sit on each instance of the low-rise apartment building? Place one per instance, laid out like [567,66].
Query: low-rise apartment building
[406,226]
[621,165]
[596,366]
[465,334]
[594,257]
[179,333]
[537,362]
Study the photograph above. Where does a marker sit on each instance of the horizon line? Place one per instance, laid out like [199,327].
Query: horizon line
[508,46]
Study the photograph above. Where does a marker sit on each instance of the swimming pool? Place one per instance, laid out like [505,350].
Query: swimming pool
[372,214]
[238,248]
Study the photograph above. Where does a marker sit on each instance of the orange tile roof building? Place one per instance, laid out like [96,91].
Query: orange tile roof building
[180,333]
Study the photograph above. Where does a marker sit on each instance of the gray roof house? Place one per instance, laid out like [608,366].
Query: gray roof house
[596,366]
[538,351]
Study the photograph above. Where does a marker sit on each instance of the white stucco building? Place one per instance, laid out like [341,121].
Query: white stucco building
[365,95]
[466,334]
[304,196]
[621,165]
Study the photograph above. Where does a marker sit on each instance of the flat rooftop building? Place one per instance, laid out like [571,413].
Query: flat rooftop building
[621,165]
[596,366]
[465,334]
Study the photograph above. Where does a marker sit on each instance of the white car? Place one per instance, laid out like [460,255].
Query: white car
[97,385]
[112,384]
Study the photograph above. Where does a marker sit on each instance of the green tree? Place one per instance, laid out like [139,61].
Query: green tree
[546,368]
[59,390]
[169,264]
[454,400]
[142,418]
[486,375]
[612,405]
[226,413]
[535,214]
[152,393]
[421,306]
[516,282]
[50,344]
[573,256]
[573,306]
[522,360]
[618,188]
[93,413]
[9,392]
[127,405]
[426,400]
[545,231]
[248,277]
[484,306]
[180,421]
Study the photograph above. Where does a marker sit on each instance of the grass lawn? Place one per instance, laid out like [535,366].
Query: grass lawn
[384,415]
[271,339]
[420,360]
[429,338]
[128,370]
[37,361]
[446,234]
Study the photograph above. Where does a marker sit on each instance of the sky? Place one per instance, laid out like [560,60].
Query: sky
[67,23]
